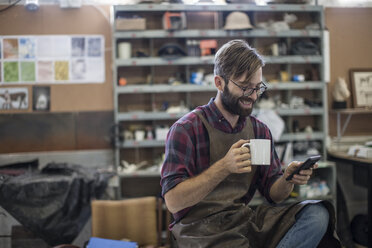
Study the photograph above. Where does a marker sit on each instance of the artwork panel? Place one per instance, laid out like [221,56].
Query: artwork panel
[28,71]
[10,48]
[13,98]
[11,73]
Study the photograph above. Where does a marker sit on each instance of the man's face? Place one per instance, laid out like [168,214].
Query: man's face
[232,96]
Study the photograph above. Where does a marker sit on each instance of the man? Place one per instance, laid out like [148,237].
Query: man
[208,180]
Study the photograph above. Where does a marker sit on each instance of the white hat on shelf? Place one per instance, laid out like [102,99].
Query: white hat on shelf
[237,20]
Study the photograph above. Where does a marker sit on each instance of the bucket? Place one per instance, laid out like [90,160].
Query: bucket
[125,50]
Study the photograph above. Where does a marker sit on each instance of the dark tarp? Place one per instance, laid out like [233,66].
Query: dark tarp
[53,203]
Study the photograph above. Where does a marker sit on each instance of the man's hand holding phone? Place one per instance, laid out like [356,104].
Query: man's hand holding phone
[299,173]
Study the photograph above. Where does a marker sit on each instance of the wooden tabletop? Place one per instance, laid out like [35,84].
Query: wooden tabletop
[343,155]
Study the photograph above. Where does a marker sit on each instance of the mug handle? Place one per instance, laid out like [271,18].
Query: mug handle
[246,144]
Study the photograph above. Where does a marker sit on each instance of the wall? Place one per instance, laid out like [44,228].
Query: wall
[350,47]
[80,115]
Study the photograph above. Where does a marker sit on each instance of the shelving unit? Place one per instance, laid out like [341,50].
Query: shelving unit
[139,102]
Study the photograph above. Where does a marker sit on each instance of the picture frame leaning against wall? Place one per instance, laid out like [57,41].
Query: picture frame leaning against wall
[361,87]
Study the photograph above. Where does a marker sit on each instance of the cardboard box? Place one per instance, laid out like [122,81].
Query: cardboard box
[130,24]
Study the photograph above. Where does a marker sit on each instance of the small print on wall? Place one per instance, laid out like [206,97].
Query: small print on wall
[41,98]
[27,71]
[78,69]
[11,73]
[77,46]
[45,71]
[10,48]
[27,48]
[61,70]
[361,85]
[13,98]
[94,47]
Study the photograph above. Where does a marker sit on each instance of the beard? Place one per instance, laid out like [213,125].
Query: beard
[232,105]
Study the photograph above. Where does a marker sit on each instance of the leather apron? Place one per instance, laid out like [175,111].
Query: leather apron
[222,219]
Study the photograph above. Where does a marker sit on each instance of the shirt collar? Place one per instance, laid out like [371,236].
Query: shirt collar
[216,119]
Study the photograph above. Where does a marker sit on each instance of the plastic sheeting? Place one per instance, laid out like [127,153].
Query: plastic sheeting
[53,203]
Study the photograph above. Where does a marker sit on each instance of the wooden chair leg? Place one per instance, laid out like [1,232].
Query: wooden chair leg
[160,220]
[168,219]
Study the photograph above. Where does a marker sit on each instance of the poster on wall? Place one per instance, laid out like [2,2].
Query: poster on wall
[13,98]
[52,59]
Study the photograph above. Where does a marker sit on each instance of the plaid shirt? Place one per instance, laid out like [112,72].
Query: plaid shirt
[187,151]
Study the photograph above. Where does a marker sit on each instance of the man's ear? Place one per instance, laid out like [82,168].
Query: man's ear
[219,83]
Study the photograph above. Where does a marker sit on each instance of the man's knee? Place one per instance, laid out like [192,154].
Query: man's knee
[317,215]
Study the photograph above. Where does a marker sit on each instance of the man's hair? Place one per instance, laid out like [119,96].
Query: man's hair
[235,58]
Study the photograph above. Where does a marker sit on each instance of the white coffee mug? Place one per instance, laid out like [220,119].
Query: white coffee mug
[260,151]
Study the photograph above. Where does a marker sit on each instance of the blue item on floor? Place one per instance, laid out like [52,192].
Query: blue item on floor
[109,243]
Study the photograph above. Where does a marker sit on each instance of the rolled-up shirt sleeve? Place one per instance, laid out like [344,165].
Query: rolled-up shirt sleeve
[179,157]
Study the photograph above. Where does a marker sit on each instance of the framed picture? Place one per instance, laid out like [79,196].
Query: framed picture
[41,98]
[361,87]
[13,98]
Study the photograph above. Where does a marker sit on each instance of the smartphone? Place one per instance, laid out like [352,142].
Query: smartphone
[305,165]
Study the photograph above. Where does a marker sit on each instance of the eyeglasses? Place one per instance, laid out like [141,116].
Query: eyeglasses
[259,90]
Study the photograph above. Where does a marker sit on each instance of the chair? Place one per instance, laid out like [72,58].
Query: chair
[135,219]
